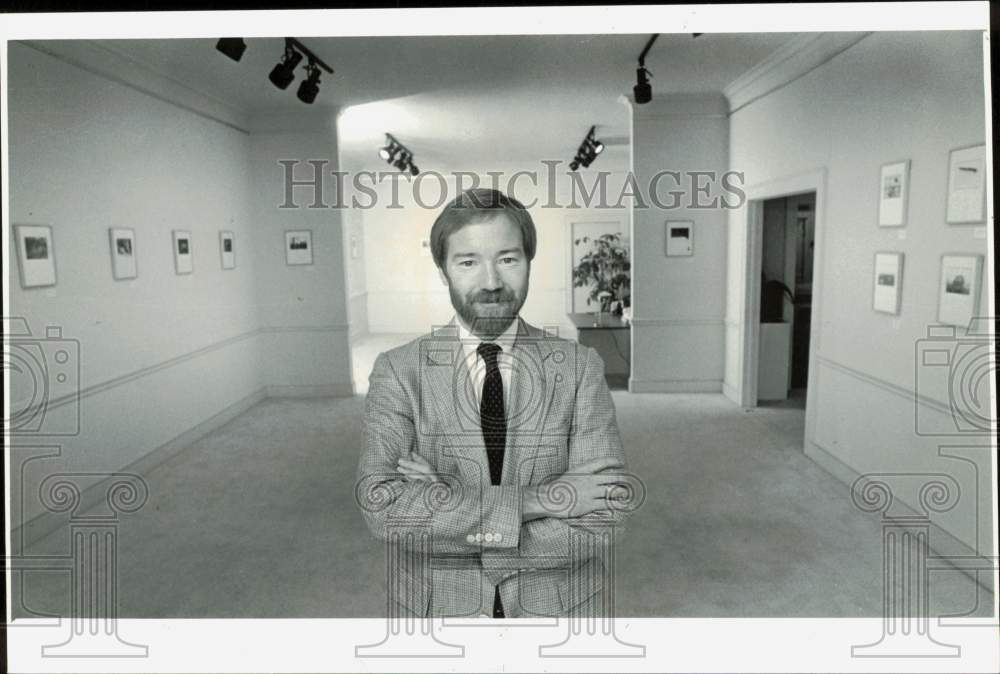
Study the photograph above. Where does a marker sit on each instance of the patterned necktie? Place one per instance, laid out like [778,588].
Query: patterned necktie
[492,416]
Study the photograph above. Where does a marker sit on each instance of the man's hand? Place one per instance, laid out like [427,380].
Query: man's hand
[415,467]
[582,490]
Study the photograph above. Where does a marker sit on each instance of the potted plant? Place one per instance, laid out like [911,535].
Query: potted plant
[606,269]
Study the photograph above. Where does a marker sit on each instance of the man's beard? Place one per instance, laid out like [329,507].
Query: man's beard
[486,321]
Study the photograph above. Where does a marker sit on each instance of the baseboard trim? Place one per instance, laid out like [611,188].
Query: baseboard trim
[338,390]
[844,473]
[47,522]
[731,393]
[674,385]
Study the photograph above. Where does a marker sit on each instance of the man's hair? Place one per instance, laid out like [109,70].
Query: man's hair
[476,205]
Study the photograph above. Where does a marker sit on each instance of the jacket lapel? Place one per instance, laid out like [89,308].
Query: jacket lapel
[448,400]
[532,388]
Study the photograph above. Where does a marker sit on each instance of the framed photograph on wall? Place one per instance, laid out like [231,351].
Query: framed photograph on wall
[36,255]
[958,298]
[183,263]
[226,249]
[123,265]
[894,188]
[680,238]
[888,282]
[298,246]
[966,185]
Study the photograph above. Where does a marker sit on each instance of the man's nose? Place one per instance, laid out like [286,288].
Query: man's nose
[491,279]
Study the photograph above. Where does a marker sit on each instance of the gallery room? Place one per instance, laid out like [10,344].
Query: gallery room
[776,242]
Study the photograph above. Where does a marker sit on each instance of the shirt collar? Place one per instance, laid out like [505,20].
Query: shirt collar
[505,340]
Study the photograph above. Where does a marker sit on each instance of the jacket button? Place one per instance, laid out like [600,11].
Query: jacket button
[479,537]
[496,537]
[488,537]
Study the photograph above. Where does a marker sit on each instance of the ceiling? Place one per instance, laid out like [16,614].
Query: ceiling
[462,101]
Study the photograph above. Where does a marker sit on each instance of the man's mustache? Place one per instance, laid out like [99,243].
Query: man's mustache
[493,297]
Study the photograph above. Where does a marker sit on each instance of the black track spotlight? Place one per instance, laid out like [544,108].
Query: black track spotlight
[233,47]
[388,153]
[283,73]
[310,87]
[642,92]
[588,151]
[396,154]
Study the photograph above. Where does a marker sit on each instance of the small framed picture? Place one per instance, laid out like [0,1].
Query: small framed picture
[966,186]
[123,264]
[894,188]
[680,238]
[888,282]
[958,299]
[36,256]
[182,251]
[298,247]
[226,249]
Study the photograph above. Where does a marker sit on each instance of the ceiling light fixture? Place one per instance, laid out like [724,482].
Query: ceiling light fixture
[588,151]
[310,87]
[283,73]
[404,160]
[643,91]
[233,47]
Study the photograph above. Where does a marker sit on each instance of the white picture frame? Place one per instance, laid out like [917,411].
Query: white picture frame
[894,193]
[36,255]
[298,247]
[227,252]
[887,282]
[123,253]
[679,238]
[966,186]
[958,296]
[183,251]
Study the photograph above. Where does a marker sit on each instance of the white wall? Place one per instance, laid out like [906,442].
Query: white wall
[164,357]
[891,96]
[161,353]
[677,302]
[303,309]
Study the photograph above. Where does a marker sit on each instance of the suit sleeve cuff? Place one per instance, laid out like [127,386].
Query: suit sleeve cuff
[501,517]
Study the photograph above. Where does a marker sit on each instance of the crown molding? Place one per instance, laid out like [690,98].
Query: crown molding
[683,104]
[114,65]
[793,60]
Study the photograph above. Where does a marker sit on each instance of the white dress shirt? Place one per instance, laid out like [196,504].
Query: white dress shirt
[476,365]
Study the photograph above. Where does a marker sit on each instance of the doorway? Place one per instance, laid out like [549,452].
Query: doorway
[803,308]
[787,246]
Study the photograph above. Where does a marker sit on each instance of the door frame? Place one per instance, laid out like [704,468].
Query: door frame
[753,223]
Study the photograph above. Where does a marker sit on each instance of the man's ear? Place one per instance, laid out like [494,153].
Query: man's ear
[444,276]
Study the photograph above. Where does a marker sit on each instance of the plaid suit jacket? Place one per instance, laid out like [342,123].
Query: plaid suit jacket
[451,542]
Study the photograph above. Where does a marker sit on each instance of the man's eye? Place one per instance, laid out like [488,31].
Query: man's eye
[466,263]
[509,260]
